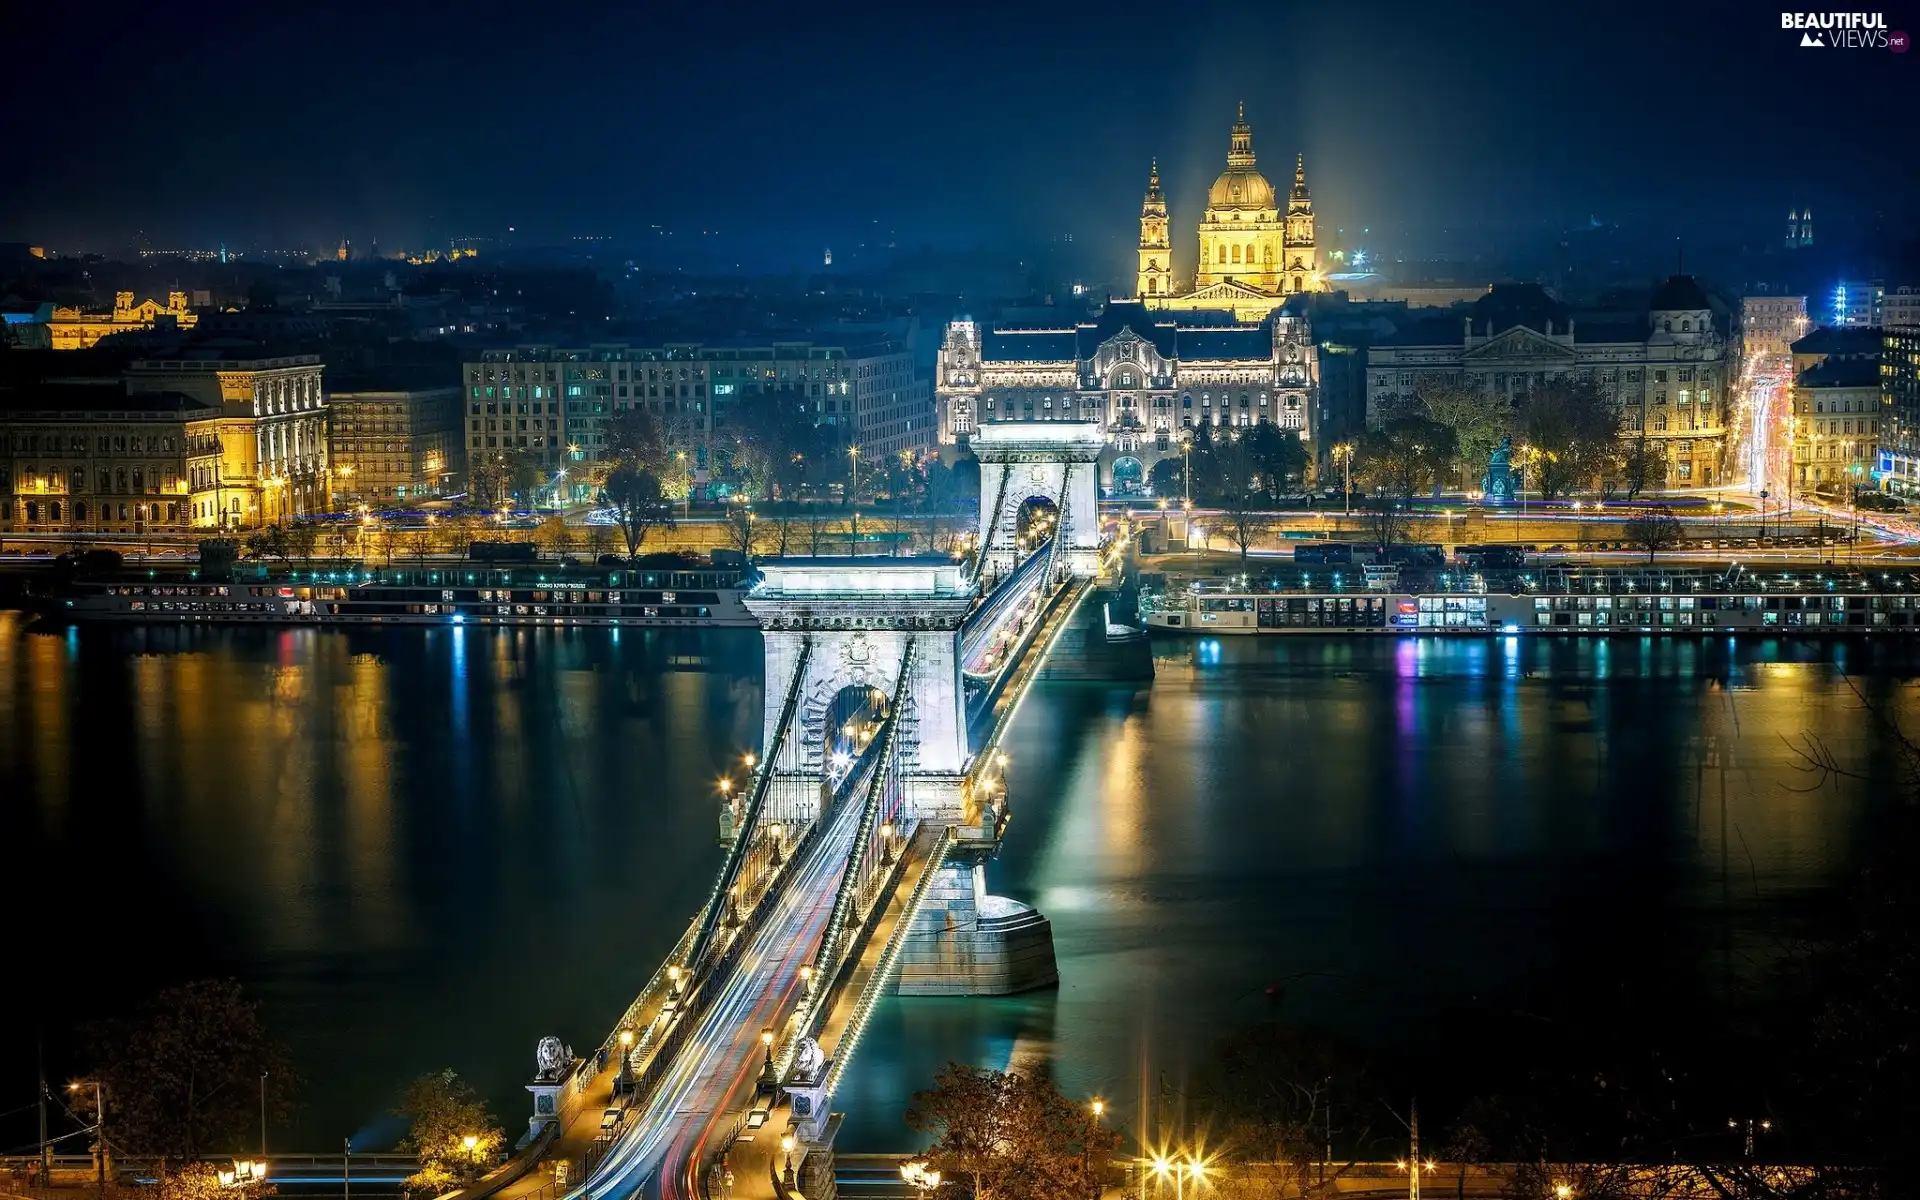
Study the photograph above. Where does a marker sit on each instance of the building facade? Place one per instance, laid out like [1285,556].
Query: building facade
[1836,424]
[1666,368]
[1857,303]
[553,403]
[1900,308]
[395,445]
[1256,248]
[94,458]
[274,427]
[1899,458]
[1148,377]
[79,328]
[1769,325]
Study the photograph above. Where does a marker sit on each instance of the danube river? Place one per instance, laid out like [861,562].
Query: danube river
[428,848]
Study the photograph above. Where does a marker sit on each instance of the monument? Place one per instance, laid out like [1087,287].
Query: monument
[1497,485]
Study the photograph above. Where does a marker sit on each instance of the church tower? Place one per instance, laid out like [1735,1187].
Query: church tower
[1302,259]
[1155,277]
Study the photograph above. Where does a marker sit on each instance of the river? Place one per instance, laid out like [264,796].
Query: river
[428,848]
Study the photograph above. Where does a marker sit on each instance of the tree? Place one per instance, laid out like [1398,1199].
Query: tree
[1398,460]
[201,1181]
[271,542]
[487,480]
[443,1113]
[1478,420]
[1642,462]
[1279,460]
[1010,1135]
[1271,1091]
[1568,428]
[554,535]
[182,1077]
[638,505]
[1236,485]
[1655,530]
[1168,478]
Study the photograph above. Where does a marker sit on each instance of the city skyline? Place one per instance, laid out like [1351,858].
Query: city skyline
[1421,127]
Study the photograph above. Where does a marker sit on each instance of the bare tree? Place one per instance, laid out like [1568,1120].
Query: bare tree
[1655,530]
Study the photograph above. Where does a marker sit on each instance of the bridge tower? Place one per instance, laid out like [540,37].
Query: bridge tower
[845,622]
[1056,461]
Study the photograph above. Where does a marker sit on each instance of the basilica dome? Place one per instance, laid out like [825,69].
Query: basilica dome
[1240,188]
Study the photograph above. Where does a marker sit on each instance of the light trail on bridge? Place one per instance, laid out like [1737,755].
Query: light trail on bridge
[665,1136]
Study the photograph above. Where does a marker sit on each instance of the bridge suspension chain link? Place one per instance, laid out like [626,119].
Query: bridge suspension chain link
[744,837]
[885,777]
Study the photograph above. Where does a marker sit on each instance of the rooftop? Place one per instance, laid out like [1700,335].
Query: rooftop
[1841,339]
[69,398]
[1840,372]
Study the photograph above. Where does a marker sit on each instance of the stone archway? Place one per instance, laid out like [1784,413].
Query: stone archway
[1057,460]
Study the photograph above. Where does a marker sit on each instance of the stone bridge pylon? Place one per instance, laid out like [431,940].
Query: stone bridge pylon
[1055,461]
[834,623]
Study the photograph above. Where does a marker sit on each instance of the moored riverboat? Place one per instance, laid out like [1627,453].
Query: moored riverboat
[1563,602]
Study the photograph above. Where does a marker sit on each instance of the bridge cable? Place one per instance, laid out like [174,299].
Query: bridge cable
[884,773]
[750,814]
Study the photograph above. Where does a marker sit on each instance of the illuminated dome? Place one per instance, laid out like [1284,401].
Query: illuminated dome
[1240,186]
[1246,189]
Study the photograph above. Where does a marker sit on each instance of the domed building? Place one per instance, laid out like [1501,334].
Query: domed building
[1254,252]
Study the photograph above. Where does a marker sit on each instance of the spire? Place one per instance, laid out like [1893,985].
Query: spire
[1240,149]
[1300,194]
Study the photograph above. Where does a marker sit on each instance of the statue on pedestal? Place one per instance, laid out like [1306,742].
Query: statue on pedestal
[1497,485]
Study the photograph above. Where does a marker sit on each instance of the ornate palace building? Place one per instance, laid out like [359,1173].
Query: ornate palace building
[1253,252]
[1147,377]
[1666,365]
[78,328]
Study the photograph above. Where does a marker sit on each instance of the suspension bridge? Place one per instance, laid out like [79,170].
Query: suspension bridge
[855,851]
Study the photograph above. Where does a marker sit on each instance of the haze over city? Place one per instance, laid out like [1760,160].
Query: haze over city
[1002,602]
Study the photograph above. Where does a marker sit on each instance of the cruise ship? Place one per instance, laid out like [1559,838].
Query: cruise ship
[1585,601]
[684,595]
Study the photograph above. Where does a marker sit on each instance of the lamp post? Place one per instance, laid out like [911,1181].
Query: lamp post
[346,1168]
[766,1046]
[99,1132]
[786,1154]
[853,496]
[263,1114]
[1344,452]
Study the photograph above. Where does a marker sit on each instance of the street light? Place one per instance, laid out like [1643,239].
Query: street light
[1344,452]
[919,1177]
[766,1046]
[99,1131]
[853,496]
[786,1152]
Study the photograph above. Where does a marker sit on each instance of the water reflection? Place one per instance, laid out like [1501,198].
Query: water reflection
[429,848]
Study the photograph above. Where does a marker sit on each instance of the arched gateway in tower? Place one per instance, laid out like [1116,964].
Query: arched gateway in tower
[1055,462]
[897,626]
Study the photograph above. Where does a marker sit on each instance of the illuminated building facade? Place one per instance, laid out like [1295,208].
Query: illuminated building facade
[1856,303]
[96,458]
[1900,308]
[1256,248]
[1148,377]
[78,328]
[1666,368]
[553,404]
[274,427]
[1836,423]
[395,445]
[1769,325]
[1899,458]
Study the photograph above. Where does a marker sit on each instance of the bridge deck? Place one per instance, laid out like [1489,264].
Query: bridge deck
[718,1066]
[753,1159]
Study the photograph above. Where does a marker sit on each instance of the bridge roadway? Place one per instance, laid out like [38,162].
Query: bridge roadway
[722,1059]
[699,1103]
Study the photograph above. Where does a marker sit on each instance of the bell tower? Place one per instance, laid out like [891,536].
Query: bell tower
[1302,258]
[1155,277]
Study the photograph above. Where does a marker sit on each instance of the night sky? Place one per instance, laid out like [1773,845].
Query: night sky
[795,126]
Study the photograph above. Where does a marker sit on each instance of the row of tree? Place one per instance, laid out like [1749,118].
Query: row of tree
[1569,431]
[186,1077]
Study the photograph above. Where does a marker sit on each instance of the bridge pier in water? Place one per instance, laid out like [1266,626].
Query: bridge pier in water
[854,619]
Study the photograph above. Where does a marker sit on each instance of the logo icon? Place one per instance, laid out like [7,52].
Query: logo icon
[1811,39]
[1897,41]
